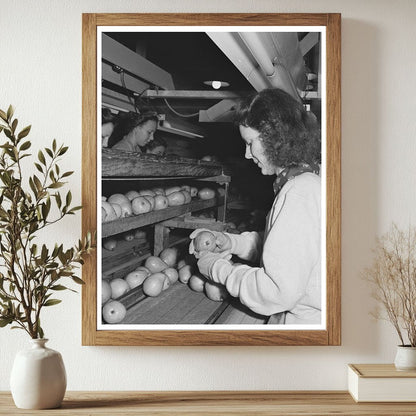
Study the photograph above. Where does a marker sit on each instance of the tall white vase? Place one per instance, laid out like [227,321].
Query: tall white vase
[38,377]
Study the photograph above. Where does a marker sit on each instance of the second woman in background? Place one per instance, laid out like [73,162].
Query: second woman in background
[133,131]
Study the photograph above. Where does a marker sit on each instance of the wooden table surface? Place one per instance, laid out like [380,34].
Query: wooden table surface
[179,403]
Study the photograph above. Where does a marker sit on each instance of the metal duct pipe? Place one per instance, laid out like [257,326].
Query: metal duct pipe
[232,46]
[253,53]
[259,52]
[277,74]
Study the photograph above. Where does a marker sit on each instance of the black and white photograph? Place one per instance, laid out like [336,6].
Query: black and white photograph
[211,178]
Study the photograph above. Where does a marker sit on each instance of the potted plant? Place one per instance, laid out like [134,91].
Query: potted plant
[393,277]
[32,273]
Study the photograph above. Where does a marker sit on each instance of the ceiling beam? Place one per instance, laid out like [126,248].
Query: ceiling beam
[222,111]
[201,95]
[126,60]
[308,42]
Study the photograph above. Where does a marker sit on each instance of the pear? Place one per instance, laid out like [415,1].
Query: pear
[118,199]
[147,192]
[155,264]
[117,209]
[169,256]
[172,274]
[136,278]
[114,312]
[161,202]
[197,282]
[131,195]
[110,244]
[206,193]
[140,205]
[215,291]
[123,202]
[205,241]
[188,197]
[111,214]
[151,200]
[172,189]
[176,199]
[153,285]
[185,273]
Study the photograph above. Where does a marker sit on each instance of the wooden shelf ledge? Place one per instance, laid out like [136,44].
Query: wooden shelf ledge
[180,403]
[130,223]
[128,164]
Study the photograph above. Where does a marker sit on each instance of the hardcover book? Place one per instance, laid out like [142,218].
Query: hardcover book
[381,383]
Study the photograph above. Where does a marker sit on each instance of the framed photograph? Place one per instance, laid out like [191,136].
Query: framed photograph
[211,172]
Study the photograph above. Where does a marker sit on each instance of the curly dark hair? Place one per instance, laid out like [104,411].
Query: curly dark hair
[290,134]
[127,122]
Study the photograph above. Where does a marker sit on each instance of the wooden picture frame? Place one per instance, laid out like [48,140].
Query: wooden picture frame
[331,333]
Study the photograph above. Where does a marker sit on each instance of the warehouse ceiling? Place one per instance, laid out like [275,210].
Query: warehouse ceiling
[191,58]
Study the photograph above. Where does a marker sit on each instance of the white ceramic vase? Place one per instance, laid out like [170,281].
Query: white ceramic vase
[38,377]
[405,358]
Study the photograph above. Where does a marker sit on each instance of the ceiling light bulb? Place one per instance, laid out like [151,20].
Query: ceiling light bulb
[216,85]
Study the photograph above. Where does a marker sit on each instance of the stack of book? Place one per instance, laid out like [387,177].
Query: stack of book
[381,383]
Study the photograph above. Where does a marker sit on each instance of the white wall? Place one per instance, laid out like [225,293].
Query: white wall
[40,74]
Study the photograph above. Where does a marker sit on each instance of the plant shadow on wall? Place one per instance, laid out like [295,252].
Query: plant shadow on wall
[393,278]
[30,272]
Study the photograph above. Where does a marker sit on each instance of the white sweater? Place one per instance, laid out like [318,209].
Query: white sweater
[289,277]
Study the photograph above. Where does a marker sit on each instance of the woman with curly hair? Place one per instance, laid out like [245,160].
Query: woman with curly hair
[282,139]
[133,131]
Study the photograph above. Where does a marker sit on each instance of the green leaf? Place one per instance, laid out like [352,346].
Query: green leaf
[24,132]
[67,174]
[8,133]
[55,251]
[63,150]
[25,145]
[77,208]
[62,257]
[44,253]
[10,112]
[59,287]
[78,280]
[33,187]
[39,167]
[68,198]
[40,331]
[37,183]
[4,298]
[49,152]
[3,115]
[5,321]
[41,157]
[51,302]
[66,273]
[56,185]
[45,210]
[14,125]
[54,145]
[58,199]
